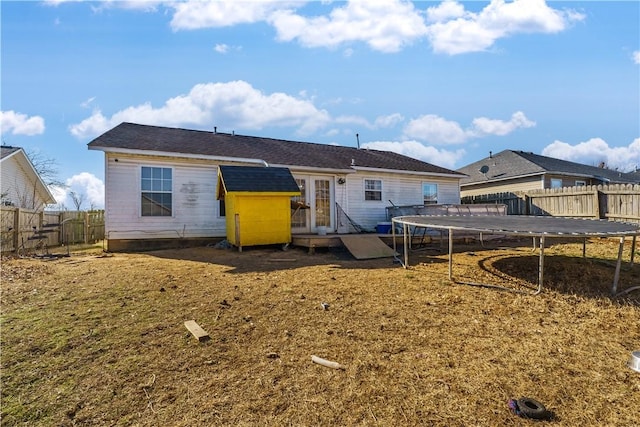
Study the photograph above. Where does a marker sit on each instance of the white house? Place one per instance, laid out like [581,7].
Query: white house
[160,183]
[21,185]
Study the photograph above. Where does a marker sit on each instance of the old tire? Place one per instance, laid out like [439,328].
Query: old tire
[530,408]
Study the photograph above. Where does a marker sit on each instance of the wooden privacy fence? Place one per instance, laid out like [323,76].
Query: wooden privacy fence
[619,202]
[25,228]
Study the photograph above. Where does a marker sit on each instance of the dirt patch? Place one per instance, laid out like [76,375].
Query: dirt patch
[99,339]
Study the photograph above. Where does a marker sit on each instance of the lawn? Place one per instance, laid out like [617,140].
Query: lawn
[99,339]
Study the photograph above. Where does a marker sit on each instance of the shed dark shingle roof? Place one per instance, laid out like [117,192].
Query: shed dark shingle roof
[512,164]
[258,179]
[144,138]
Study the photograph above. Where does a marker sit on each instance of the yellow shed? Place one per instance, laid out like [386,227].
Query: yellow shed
[257,204]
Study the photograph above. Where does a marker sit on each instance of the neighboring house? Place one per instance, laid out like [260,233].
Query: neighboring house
[21,184]
[160,183]
[510,171]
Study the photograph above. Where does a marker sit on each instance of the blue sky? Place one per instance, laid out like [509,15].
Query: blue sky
[442,81]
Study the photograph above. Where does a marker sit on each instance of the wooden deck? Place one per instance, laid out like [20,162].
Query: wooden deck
[313,241]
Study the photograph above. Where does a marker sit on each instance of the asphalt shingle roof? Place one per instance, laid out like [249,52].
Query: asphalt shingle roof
[511,164]
[258,179]
[6,151]
[130,136]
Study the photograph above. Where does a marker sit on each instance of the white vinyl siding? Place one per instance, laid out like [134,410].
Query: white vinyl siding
[194,204]
[401,190]
[196,209]
[20,186]
[517,184]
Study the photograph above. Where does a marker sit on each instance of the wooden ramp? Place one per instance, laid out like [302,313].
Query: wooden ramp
[366,246]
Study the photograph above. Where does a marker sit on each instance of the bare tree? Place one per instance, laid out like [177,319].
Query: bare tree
[77,199]
[47,168]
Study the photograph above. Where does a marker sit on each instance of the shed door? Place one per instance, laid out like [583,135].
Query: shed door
[317,193]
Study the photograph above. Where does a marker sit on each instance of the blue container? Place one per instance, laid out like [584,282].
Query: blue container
[383,228]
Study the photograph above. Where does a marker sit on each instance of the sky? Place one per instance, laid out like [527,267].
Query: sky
[445,82]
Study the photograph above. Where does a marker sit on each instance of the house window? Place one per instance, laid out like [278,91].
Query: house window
[372,189]
[556,183]
[156,185]
[430,193]
[581,183]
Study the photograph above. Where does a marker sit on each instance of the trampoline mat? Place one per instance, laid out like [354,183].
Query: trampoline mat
[523,225]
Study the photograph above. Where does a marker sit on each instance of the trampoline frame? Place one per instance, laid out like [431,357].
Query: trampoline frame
[578,228]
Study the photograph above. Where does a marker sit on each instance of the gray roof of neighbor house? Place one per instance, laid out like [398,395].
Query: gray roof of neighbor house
[130,137]
[510,164]
[6,151]
[258,179]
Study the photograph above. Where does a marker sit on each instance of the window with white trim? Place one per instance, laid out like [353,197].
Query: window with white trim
[157,191]
[556,183]
[429,193]
[372,189]
[580,183]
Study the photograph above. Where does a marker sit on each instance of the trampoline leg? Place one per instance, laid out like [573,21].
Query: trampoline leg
[540,267]
[450,254]
[405,230]
[584,247]
[616,276]
[633,250]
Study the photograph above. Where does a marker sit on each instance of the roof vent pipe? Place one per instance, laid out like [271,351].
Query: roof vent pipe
[358,140]
[490,155]
[215,129]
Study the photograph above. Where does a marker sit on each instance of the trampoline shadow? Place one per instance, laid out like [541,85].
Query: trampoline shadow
[590,277]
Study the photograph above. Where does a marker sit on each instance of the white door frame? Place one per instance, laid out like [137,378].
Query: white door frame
[310,200]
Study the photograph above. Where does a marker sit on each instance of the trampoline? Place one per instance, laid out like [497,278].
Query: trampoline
[540,227]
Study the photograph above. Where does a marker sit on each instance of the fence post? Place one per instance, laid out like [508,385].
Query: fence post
[596,201]
[16,229]
[86,227]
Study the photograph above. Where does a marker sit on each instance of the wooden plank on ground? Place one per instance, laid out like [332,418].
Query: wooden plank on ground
[366,246]
[196,330]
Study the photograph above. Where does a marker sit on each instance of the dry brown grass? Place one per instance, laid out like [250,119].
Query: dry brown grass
[98,339]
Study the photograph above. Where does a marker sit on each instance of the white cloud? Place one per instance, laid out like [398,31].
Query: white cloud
[388,121]
[415,149]
[454,30]
[191,15]
[484,126]
[636,56]
[21,124]
[385,26]
[595,151]
[87,186]
[88,102]
[438,130]
[233,105]
[221,48]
